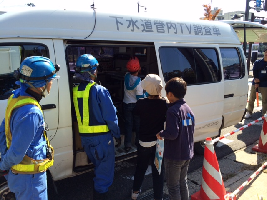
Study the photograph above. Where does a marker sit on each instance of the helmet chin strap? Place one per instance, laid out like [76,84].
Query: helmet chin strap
[44,91]
[93,75]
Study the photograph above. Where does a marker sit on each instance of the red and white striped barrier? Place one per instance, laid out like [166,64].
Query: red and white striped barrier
[240,129]
[212,186]
[233,195]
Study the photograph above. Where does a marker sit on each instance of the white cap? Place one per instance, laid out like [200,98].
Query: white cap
[152,84]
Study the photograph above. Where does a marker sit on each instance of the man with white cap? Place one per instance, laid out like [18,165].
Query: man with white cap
[152,112]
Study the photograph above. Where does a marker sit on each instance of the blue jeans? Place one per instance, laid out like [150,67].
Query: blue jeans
[176,177]
[146,156]
[131,121]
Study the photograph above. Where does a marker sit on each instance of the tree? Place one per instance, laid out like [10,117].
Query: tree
[208,14]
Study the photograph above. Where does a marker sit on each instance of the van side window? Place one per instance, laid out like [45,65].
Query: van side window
[194,65]
[11,55]
[233,64]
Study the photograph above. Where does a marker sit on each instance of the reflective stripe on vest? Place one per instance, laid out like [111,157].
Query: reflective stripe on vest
[27,165]
[84,125]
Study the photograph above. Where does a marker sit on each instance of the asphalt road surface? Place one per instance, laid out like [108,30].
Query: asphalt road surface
[81,187]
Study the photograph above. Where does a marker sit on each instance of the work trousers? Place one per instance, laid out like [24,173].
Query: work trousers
[252,98]
[146,156]
[263,91]
[28,186]
[176,177]
[100,150]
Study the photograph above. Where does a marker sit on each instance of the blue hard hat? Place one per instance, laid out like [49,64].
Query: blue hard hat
[37,70]
[85,63]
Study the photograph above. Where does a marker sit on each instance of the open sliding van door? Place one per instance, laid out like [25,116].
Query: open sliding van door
[199,66]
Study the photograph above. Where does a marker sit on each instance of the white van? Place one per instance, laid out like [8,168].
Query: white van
[206,54]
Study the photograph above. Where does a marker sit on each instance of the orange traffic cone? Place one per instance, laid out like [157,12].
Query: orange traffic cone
[262,146]
[212,186]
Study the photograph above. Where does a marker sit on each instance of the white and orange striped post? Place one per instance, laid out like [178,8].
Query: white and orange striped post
[212,186]
[262,146]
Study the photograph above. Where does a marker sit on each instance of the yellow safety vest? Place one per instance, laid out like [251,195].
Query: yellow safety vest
[27,165]
[83,126]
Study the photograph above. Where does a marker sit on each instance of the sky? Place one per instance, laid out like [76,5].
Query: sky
[191,9]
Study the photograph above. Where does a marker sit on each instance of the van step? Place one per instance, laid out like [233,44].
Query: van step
[121,154]
[119,151]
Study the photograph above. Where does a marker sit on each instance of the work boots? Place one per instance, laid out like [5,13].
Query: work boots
[99,196]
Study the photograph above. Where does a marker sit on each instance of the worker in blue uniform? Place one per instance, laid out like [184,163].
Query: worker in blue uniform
[25,150]
[97,123]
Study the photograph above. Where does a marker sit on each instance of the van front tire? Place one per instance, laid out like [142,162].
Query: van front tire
[200,146]
[5,193]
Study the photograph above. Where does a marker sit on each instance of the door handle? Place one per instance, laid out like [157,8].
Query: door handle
[228,95]
[48,106]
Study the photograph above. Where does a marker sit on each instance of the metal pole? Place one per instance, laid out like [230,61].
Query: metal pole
[246,19]
[250,46]
[245,41]
[247,10]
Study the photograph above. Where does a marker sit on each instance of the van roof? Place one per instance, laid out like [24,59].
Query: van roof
[91,25]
